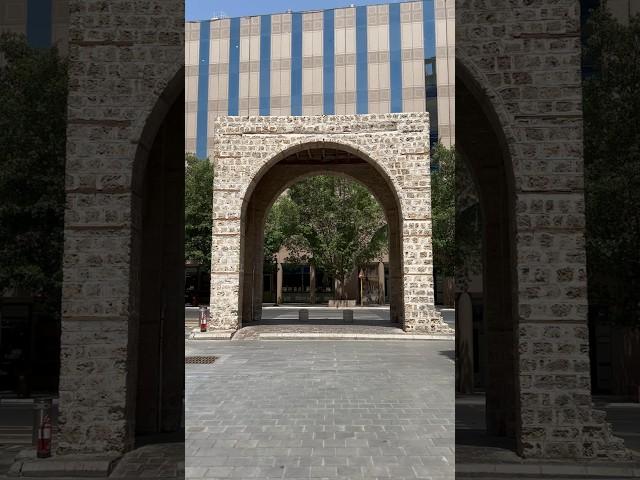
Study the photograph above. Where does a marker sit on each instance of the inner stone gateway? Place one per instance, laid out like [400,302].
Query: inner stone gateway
[256,158]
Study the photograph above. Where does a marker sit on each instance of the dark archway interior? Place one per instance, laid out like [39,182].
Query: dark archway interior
[304,161]
[160,266]
[479,142]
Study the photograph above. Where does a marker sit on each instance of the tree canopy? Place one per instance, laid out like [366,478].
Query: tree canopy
[280,226]
[468,226]
[612,171]
[198,210]
[443,208]
[331,222]
[33,105]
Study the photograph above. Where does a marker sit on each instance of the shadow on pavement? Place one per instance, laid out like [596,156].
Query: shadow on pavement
[450,354]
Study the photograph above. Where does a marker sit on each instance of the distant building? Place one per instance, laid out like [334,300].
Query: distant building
[396,57]
[44,22]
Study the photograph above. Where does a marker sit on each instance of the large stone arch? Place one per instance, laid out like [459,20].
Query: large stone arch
[388,153]
[522,136]
[121,114]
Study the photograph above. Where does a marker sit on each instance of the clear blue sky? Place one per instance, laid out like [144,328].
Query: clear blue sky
[206,9]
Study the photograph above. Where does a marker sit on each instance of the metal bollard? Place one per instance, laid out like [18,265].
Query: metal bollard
[303,315]
[347,316]
[42,427]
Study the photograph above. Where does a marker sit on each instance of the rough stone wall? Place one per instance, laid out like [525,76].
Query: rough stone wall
[122,55]
[525,57]
[398,146]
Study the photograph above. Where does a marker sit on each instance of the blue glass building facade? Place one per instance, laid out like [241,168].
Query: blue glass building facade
[396,57]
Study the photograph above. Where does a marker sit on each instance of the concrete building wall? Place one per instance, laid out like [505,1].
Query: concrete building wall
[445,31]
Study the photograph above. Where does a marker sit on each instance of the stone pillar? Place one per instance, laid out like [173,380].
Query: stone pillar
[381,290]
[312,284]
[109,138]
[420,312]
[417,256]
[226,263]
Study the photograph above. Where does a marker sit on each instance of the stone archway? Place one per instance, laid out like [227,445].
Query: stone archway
[256,157]
[526,156]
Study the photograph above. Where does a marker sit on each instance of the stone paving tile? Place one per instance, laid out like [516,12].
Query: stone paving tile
[320,409]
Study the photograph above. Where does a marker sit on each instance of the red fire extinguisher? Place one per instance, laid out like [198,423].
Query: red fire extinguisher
[204,318]
[43,426]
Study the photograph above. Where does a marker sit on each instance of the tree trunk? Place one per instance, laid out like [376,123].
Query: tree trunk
[340,288]
[448,291]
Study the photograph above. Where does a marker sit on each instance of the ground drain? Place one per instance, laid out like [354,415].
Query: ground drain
[201,359]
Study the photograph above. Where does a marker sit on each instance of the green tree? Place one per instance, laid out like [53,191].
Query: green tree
[468,226]
[333,223]
[280,225]
[443,208]
[612,173]
[198,210]
[33,105]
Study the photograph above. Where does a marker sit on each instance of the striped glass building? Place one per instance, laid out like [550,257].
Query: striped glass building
[43,22]
[396,57]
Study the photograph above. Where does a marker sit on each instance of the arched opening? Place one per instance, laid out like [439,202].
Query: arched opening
[289,167]
[156,324]
[482,147]
[320,210]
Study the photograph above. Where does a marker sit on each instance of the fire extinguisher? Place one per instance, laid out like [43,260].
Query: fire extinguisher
[43,428]
[204,319]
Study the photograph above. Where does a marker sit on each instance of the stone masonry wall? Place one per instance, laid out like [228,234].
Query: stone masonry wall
[398,146]
[525,57]
[122,55]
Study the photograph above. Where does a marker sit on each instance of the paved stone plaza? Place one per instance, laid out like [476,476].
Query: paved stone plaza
[320,409]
